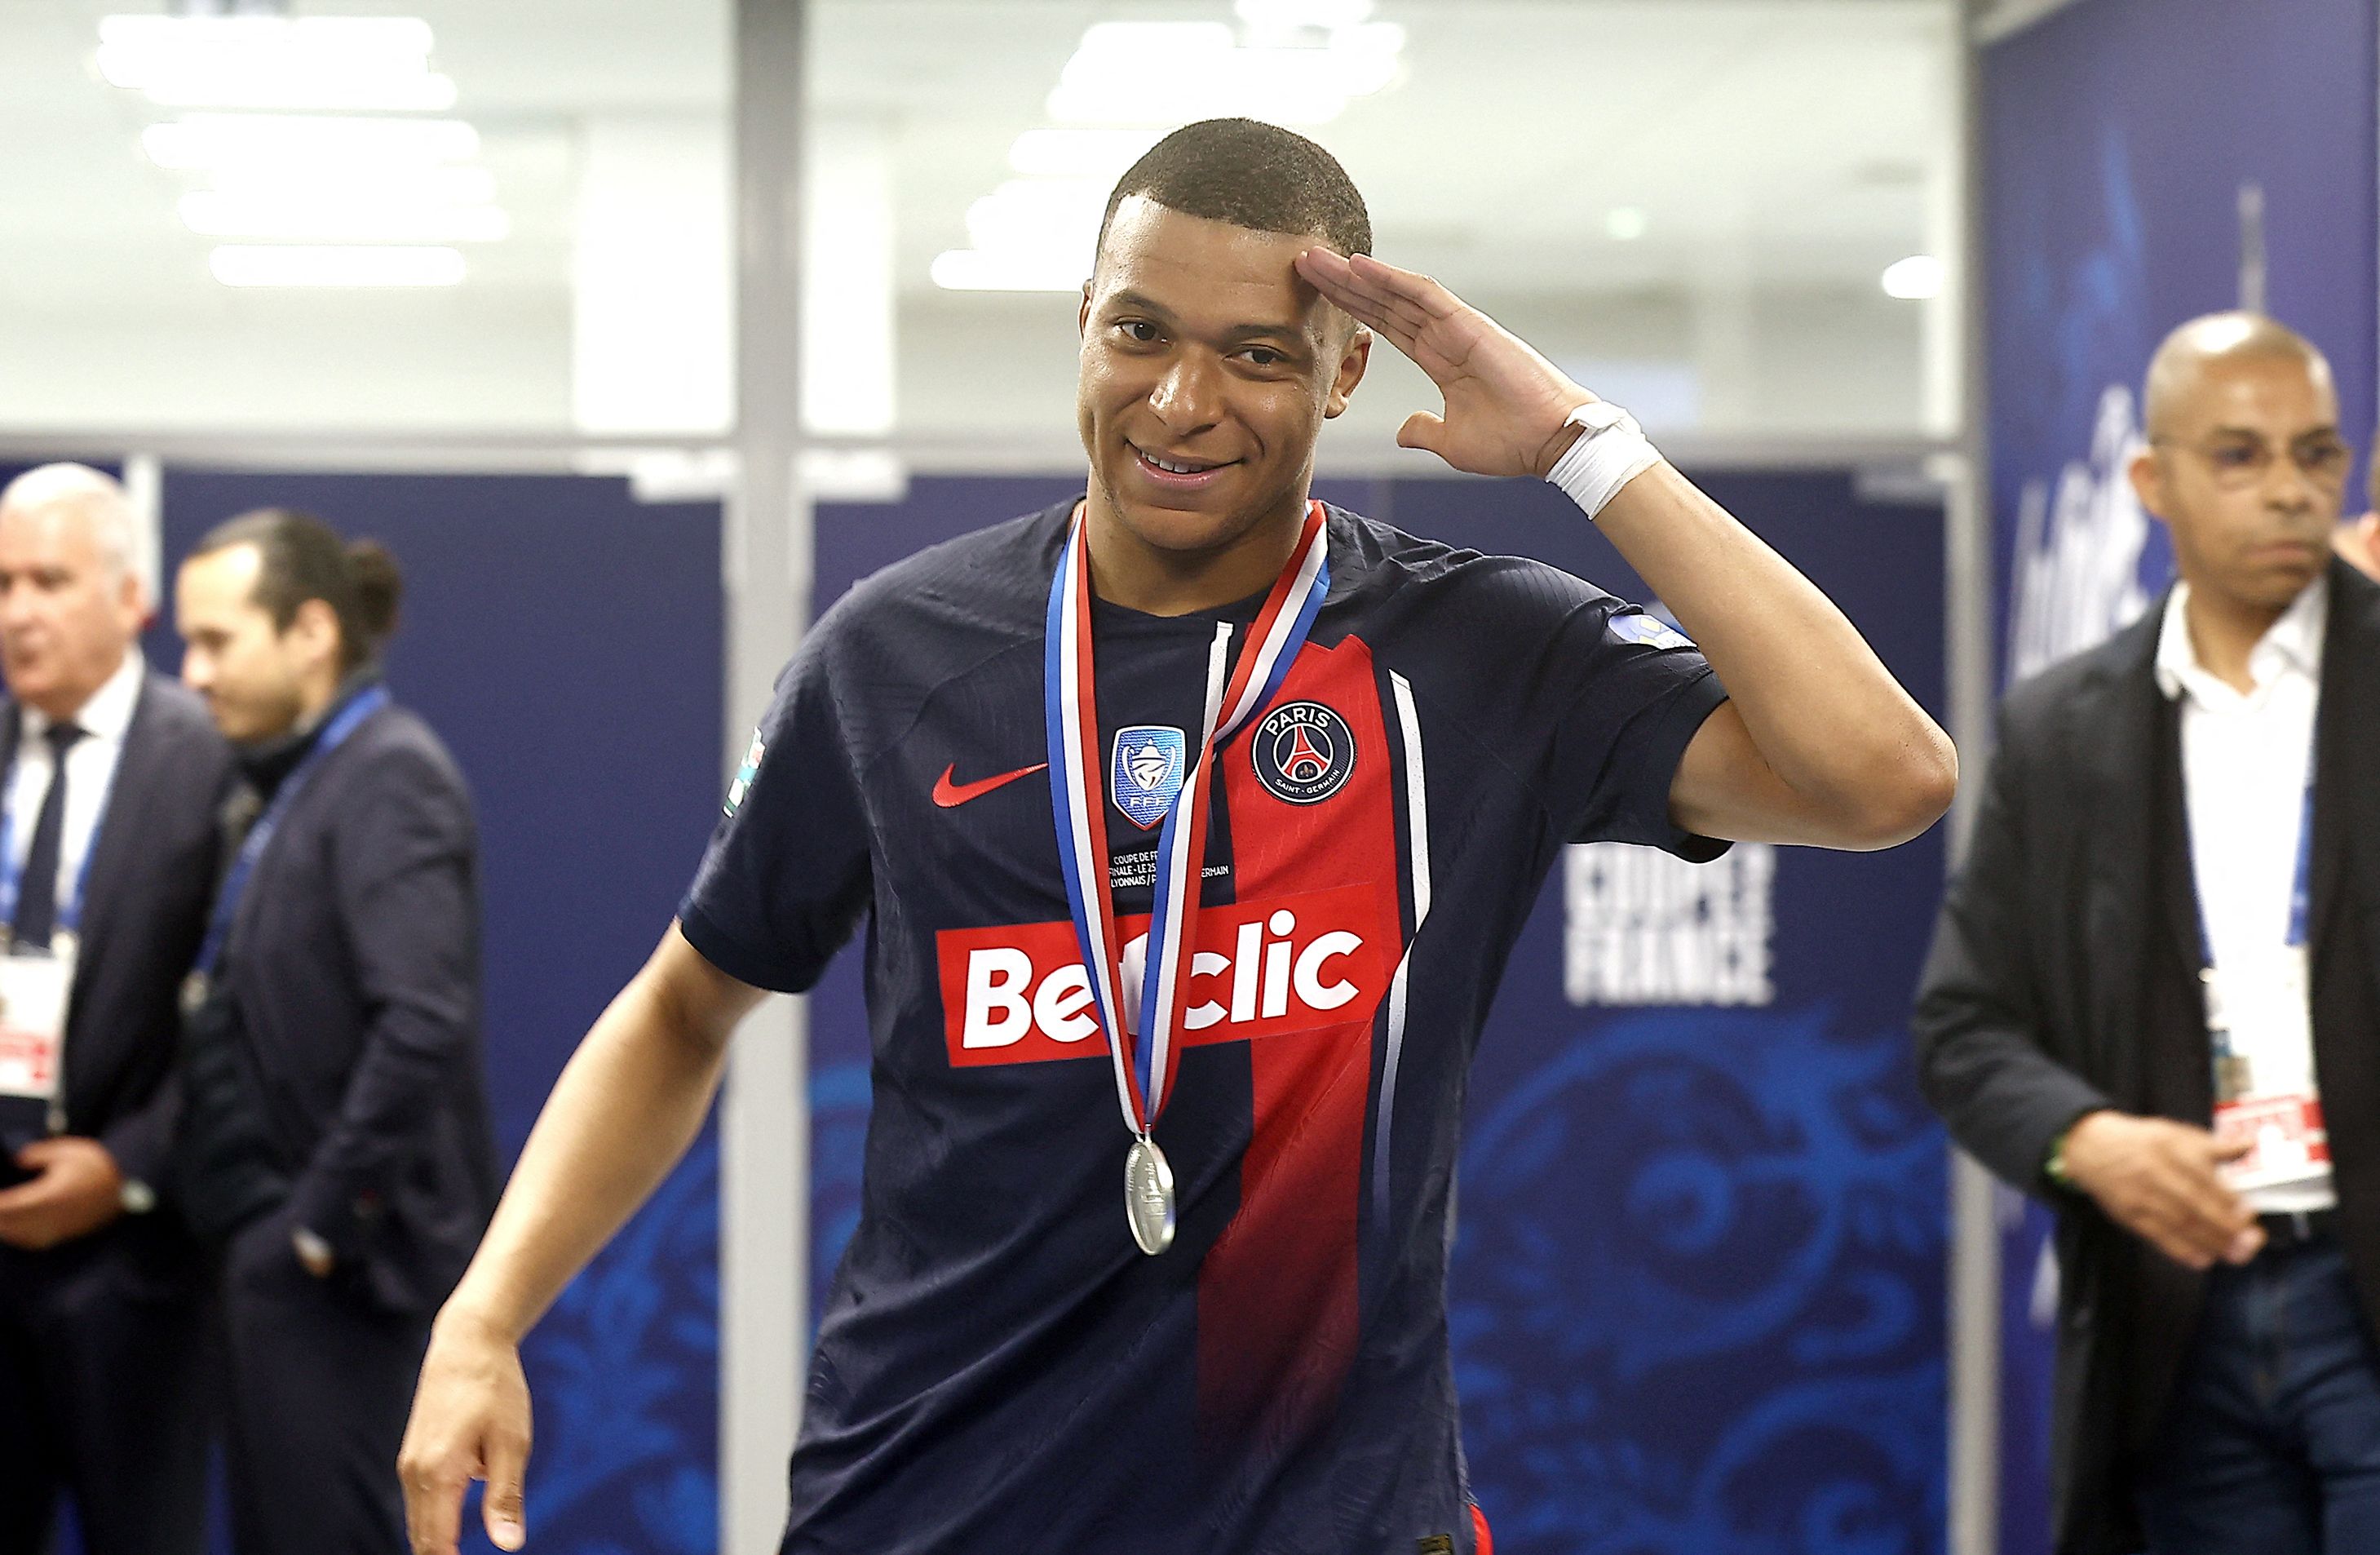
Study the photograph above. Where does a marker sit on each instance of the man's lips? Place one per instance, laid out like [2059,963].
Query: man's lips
[1187,474]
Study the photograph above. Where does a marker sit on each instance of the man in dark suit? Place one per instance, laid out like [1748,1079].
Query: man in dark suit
[106,856]
[2153,998]
[335,1139]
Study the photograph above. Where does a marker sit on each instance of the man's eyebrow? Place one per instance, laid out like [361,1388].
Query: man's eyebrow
[1136,302]
[2328,429]
[1294,334]
[1141,302]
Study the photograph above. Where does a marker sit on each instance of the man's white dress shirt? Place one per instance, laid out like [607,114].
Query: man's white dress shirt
[2245,761]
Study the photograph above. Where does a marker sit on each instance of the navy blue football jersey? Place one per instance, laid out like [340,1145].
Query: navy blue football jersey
[999,1367]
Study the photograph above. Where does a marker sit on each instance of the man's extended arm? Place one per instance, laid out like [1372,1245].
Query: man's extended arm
[626,1107]
[1816,743]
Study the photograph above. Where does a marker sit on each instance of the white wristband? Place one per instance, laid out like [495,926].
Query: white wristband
[1611,451]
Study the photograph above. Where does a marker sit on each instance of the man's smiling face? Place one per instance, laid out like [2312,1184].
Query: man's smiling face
[1207,369]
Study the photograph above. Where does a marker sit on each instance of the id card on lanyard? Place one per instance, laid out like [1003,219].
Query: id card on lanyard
[37,982]
[2259,1018]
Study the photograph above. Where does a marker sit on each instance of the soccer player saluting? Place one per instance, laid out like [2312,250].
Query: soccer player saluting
[1170,1037]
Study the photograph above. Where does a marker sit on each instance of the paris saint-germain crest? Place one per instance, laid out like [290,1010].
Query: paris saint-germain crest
[1303,753]
[1146,771]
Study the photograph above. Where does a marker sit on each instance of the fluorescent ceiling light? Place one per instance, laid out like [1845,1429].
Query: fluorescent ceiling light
[374,37]
[393,186]
[237,265]
[1914,279]
[1039,214]
[1624,223]
[243,88]
[1073,153]
[212,214]
[356,145]
[1303,13]
[275,62]
[972,270]
[1131,72]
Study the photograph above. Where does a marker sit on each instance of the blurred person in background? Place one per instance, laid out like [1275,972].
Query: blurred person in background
[335,1141]
[2151,1001]
[107,851]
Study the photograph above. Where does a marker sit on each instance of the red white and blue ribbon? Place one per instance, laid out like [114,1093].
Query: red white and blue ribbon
[1145,1067]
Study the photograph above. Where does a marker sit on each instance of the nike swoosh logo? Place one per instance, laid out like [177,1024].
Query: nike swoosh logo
[949,795]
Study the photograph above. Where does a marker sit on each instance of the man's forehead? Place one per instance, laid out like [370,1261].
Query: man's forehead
[51,525]
[2260,389]
[1203,270]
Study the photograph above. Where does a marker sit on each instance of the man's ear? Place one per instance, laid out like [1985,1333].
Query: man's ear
[2148,482]
[317,625]
[1083,314]
[132,598]
[1351,363]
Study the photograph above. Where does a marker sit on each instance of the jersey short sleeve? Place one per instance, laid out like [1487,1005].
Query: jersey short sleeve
[1630,692]
[787,875]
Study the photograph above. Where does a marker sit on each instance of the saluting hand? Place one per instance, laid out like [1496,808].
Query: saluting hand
[76,1189]
[470,1421]
[1504,401]
[2159,1178]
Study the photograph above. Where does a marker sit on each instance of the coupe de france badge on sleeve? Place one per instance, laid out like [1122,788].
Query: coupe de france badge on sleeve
[33,991]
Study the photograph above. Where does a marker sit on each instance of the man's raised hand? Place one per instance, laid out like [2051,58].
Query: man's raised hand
[1504,402]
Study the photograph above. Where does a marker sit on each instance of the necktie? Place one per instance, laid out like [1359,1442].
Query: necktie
[37,899]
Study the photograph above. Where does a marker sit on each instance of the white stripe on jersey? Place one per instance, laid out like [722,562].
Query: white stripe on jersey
[1417,819]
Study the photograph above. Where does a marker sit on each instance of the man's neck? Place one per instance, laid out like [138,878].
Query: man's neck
[2224,632]
[1128,571]
[314,699]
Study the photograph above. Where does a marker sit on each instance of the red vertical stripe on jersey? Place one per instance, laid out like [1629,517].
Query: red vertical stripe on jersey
[1277,1294]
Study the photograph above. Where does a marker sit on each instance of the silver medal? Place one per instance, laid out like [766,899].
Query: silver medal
[1148,1196]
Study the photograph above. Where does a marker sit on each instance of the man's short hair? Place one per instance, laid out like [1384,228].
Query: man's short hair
[300,558]
[95,496]
[1252,174]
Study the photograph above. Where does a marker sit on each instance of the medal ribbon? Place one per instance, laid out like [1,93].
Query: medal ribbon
[1145,1067]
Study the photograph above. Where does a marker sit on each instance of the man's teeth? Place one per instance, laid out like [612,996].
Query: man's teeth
[1172,468]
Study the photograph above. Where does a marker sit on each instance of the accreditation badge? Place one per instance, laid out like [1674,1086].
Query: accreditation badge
[34,991]
[2258,1012]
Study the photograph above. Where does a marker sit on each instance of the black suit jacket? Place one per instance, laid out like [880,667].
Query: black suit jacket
[152,882]
[353,960]
[2063,980]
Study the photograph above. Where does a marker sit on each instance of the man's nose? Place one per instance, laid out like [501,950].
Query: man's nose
[2289,486]
[1185,398]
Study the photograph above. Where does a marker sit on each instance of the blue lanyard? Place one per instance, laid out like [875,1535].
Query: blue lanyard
[12,868]
[260,835]
[2300,886]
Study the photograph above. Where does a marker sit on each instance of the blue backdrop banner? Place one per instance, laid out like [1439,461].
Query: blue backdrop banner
[2119,137]
[1697,1294]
